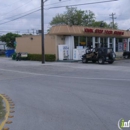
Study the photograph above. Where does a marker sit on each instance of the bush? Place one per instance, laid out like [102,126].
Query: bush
[38,57]
[50,57]
[35,57]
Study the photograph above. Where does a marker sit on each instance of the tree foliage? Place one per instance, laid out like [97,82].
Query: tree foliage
[73,16]
[9,38]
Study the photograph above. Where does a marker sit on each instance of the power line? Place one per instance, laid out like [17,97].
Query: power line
[36,8]
[20,17]
[16,1]
[113,18]
[83,4]
[17,8]
[56,7]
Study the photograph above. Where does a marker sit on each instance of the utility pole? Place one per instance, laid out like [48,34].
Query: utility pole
[17,32]
[33,31]
[42,30]
[28,31]
[113,18]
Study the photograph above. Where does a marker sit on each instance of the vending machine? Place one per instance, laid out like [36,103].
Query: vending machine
[77,53]
[63,52]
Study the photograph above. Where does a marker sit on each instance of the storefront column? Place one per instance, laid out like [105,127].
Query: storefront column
[114,44]
[128,46]
[108,42]
[99,41]
[93,39]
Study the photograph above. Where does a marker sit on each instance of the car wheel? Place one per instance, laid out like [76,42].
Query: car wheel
[84,60]
[126,56]
[101,60]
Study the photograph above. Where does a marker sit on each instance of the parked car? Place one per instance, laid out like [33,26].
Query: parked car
[100,55]
[2,52]
[126,54]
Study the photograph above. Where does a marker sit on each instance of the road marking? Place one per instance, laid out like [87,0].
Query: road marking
[7,112]
[61,76]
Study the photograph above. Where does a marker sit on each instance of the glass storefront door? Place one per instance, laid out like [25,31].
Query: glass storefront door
[103,41]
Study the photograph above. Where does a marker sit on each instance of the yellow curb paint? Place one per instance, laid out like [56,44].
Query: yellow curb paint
[7,112]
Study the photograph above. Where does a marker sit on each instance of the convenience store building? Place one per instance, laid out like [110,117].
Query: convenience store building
[67,39]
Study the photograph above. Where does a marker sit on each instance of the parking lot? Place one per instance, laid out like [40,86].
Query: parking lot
[66,96]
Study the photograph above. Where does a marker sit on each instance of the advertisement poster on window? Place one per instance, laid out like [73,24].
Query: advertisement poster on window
[125,44]
[120,47]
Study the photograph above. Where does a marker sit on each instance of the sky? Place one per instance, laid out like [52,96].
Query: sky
[13,9]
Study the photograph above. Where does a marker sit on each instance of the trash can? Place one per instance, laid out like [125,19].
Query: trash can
[9,53]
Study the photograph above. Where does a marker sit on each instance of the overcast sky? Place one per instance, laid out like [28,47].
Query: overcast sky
[11,9]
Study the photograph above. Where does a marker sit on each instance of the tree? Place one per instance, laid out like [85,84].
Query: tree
[111,25]
[9,38]
[73,16]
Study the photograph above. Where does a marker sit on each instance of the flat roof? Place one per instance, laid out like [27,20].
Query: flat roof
[88,31]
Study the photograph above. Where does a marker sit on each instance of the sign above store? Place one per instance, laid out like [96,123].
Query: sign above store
[101,31]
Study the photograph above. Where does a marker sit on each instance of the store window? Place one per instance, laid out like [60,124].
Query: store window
[76,41]
[119,45]
[83,41]
[80,41]
[103,42]
[96,39]
[89,42]
[111,40]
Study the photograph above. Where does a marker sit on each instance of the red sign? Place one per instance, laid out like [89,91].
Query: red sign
[108,32]
[98,31]
[101,31]
[118,33]
[88,30]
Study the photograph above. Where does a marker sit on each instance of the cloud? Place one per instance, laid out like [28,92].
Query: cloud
[17,8]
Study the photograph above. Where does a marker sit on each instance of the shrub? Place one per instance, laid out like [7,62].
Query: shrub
[50,57]
[38,57]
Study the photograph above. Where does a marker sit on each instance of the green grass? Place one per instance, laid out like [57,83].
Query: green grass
[2,109]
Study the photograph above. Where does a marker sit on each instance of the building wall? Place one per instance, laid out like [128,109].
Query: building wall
[32,44]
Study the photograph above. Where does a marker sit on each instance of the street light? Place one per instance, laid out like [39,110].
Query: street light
[42,30]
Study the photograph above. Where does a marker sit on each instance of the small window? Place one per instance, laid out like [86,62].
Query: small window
[110,40]
[96,39]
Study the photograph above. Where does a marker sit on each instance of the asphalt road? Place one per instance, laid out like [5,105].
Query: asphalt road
[66,96]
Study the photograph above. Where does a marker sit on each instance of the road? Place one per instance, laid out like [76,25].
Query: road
[66,96]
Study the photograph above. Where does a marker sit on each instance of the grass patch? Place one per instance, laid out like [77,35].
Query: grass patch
[2,109]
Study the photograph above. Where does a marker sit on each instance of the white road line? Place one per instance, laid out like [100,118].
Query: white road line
[61,76]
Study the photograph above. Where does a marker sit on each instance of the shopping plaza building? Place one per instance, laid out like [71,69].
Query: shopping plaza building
[68,41]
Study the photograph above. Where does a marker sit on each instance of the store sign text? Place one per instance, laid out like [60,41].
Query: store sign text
[101,31]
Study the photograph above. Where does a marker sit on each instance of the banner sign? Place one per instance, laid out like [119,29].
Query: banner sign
[101,31]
